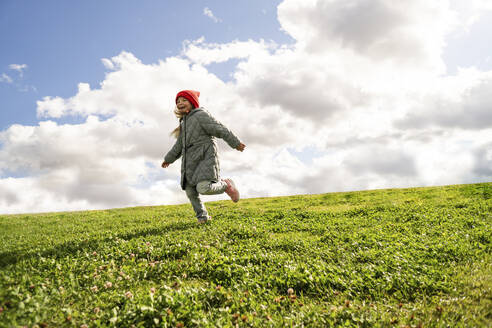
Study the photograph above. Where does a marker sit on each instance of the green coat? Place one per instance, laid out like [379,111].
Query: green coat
[197,145]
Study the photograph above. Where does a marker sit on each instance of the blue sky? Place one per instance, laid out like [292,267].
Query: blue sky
[327,96]
[62,42]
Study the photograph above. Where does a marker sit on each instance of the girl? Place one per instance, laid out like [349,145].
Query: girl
[196,144]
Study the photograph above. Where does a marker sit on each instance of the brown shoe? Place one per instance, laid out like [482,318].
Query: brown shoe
[200,221]
[231,190]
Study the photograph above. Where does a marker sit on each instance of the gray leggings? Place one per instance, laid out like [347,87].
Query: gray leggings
[204,188]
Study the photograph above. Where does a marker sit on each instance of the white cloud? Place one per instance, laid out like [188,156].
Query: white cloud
[97,163]
[381,160]
[20,86]
[383,31]
[369,95]
[107,63]
[469,12]
[483,161]
[462,101]
[5,78]
[203,53]
[207,12]
[18,67]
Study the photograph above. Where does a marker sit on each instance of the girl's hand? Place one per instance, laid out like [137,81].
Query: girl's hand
[165,164]
[241,147]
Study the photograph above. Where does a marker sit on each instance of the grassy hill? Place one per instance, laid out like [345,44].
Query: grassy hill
[402,257]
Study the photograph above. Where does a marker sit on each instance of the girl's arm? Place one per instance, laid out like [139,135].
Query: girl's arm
[173,154]
[217,129]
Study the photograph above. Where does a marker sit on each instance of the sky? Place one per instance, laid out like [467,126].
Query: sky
[327,95]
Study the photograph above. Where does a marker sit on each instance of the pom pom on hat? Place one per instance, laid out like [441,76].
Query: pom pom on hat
[191,95]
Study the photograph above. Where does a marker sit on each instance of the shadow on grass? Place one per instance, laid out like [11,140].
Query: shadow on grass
[70,247]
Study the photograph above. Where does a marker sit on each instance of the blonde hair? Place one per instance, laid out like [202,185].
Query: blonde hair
[179,114]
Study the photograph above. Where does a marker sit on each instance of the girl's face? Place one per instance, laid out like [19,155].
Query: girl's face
[184,105]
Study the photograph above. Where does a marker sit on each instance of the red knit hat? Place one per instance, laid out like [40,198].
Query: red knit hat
[191,95]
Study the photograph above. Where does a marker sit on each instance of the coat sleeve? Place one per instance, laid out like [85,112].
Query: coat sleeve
[175,152]
[217,129]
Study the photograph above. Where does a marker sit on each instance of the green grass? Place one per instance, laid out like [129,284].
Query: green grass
[416,257]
